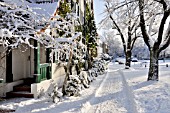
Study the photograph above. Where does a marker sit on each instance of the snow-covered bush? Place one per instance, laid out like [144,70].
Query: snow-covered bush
[76,83]
[85,79]
[56,94]
[92,73]
[99,67]
[73,86]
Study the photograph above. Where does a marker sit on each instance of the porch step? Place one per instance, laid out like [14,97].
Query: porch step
[22,87]
[14,94]
[29,81]
[22,90]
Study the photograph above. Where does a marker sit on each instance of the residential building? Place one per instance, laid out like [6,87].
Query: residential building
[32,68]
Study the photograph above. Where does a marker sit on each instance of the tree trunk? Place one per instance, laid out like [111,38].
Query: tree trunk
[67,72]
[89,60]
[128,59]
[153,69]
[128,50]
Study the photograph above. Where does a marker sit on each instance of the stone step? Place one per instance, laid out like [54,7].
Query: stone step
[6,110]
[22,87]
[29,81]
[14,94]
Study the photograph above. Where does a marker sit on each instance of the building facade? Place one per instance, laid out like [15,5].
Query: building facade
[33,67]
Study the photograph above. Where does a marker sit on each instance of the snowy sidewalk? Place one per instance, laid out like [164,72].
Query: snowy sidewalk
[117,91]
[103,95]
[113,95]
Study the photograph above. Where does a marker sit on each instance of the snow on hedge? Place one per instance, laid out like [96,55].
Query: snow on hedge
[77,83]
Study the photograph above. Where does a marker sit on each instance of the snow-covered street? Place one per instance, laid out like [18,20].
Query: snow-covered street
[117,91]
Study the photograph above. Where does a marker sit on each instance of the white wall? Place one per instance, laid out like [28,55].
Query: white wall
[81,3]
[21,63]
[2,64]
[2,90]
[82,8]
[2,71]
[58,76]
[41,88]
[99,48]
[7,87]
[42,55]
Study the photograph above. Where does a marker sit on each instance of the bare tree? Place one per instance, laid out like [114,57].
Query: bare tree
[114,44]
[126,22]
[153,17]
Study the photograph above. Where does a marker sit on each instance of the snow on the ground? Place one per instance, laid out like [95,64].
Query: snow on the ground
[118,91]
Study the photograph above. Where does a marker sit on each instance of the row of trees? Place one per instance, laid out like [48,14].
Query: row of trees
[132,19]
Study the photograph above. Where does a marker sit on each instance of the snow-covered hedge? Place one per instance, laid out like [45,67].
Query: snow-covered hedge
[56,94]
[73,86]
[100,66]
[78,82]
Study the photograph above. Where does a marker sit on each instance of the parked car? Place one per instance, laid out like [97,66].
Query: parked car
[120,60]
[134,59]
[106,57]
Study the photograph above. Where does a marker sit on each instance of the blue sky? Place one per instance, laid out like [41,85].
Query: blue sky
[98,9]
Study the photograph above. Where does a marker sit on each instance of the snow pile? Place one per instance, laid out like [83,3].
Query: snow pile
[150,96]
[41,10]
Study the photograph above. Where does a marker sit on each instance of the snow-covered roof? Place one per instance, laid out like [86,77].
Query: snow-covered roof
[45,9]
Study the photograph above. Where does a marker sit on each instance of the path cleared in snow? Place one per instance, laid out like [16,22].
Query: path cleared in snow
[113,95]
[118,91]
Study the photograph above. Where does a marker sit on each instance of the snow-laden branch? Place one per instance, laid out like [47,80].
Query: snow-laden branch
[166,41]
[142,23]
[20,26]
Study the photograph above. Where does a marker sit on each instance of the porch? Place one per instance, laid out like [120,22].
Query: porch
[21,69]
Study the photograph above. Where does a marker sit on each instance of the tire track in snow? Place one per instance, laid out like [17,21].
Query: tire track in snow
[129,93]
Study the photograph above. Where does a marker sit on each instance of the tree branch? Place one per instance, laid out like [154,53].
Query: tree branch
[120,32]
[142,23]
[122,5]
[118,29]
[162,25]
[163,3]
[167,40]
